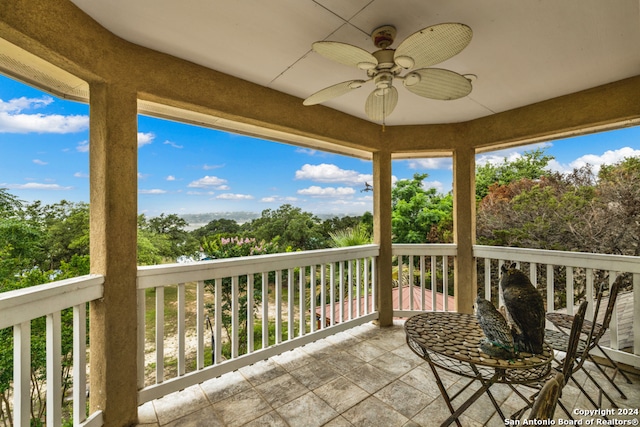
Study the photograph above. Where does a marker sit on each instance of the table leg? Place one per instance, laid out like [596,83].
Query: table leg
[475,396]
[443,392]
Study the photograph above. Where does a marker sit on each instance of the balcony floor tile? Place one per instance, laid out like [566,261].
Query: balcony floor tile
[366,376]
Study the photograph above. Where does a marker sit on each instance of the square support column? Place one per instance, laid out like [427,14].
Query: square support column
[113,219]
[464,228]
[382,234]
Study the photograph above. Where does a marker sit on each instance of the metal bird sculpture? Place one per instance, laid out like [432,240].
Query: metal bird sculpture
[498,341]
[525,309]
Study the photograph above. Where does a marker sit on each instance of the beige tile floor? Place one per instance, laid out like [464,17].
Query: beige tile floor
[366,376]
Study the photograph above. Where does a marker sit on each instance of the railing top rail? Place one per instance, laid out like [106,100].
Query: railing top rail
[25,304]
[623,263]
[160,275]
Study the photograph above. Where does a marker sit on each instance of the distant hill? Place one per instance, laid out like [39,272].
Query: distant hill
[200,220]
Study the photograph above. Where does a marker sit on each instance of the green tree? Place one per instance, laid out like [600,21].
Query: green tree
[217,226]
[288,227]
[531,165]
[420,215]
[168,234]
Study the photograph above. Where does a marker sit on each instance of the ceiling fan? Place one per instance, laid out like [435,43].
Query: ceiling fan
[420,50]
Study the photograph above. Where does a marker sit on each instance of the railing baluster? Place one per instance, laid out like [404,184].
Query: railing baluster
[410,285]
[265,310]
[374,285]
[423,269]
[569,289]
[434,283]
[350,288]
[302,300]
[181,329]
[22,373]
[341,307]
[550,288]
[278,303]
[159,335]
[250,314]
[200,326]
[312,297]
[235,314]
[54,368]
[80,361]
[323,286]
[291,304]
[366,285]
[142,309]
[332,293]
[589,293]
[445,283]
[358,286]
[487,279]
[400,280]
[218,322]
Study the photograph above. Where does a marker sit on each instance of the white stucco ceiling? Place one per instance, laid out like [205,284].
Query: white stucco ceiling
[522,52]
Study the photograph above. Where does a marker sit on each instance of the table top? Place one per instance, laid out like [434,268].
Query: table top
[447,339]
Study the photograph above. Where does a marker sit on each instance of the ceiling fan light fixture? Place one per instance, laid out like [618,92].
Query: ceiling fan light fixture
[356,84]
[412,79]
[366,65]
[404,61]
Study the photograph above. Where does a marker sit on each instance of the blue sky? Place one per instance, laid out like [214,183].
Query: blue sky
[44,143]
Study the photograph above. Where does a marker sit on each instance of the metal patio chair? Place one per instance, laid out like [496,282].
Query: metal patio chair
[593,331]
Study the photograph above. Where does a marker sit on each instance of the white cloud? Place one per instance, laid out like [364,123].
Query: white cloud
[609,157]
[315,191]
[36,186]
[208,181]
[331,173]
[444,163]
[17,105]
[83,146]
[171,178]
[173,144]
[13,119]
[433,184]
[232,196]
[80,175]
[40,162]
[145,138]
[152,191]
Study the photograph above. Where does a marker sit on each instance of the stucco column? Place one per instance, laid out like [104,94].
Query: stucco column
[464,228]
[113,325]
[382,233]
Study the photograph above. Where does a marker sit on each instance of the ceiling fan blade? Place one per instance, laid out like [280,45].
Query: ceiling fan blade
[432,45]
[332,92]
[436,83]
[346,54]
[380,103]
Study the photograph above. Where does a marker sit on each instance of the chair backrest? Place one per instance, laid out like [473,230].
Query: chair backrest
[613,295]
[574,341]
[545,404]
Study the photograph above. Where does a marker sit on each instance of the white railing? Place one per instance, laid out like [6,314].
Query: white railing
[423,276]
[294,298]
[17,309]
[572,276]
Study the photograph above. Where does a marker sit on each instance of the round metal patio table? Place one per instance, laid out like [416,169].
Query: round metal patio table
[451,341]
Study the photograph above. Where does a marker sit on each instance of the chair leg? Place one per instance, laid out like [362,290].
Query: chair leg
[610,379]
[600,389]
[583,391]
[615,366]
